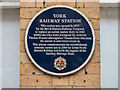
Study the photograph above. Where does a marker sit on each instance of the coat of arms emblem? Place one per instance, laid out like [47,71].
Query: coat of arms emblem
[60,63]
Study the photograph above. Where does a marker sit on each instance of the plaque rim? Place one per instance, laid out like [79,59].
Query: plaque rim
[53,73]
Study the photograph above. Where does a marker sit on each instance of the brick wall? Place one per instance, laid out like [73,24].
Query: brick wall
[32,77]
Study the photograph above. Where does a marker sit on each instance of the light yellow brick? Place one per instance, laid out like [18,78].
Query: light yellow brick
[95,23]
[35,80]
[27,1]
[24,23]
[92,80]
[79,87]
[97,34]
[24,58]
[96,54]
[28,12]
[97,47]
[27,4]
[38,71]
[81,71]
[93,68]
[59,87]
[92,4]
[86,80]
[87,0]
[76,80]
[22,46]
[90,12]
[60,80]
[56,2]
[80,4]
[44,87]
[29,87]
[22,34]
[95,86]
[27,69]
[95,58]
[39,3]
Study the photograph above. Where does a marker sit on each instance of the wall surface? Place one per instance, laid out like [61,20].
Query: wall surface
[106,15]
[10,45]
[109,47]
[0,48]
[109,1]
[119,45]
[31,76]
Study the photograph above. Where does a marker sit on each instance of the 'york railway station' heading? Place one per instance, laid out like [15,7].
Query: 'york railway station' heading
[60,18]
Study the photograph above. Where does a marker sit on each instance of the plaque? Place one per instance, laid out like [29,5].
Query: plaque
[60,40]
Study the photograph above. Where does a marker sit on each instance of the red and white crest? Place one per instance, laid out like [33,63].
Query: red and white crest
[60,63]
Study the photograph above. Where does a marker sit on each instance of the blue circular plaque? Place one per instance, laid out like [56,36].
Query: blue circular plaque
[60,40]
